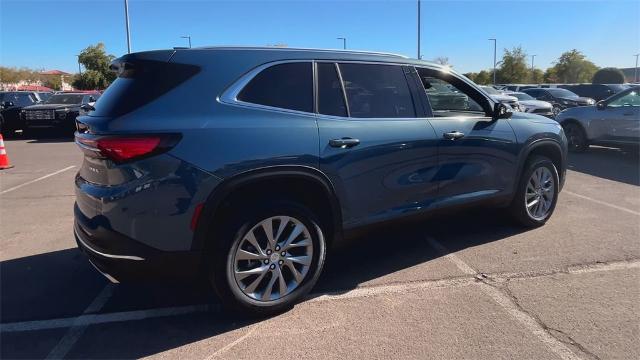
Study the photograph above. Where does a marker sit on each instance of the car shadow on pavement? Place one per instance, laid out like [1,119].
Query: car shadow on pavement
[608,163]
[63,283]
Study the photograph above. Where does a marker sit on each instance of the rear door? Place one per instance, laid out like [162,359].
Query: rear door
[380,156]
[477,155]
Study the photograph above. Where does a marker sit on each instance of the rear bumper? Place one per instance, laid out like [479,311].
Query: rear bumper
[122,259]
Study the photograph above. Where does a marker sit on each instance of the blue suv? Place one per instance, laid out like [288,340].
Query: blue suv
[248,163]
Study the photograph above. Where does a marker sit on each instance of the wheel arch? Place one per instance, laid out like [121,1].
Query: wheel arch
[548,148]
[288,179]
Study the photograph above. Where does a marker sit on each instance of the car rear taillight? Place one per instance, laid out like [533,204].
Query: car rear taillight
[121,149]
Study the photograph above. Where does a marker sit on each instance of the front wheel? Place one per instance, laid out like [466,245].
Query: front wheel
[272,258]
[537,193]
[576,138]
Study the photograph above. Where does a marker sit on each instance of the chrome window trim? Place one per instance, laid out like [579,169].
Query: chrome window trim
[230,95]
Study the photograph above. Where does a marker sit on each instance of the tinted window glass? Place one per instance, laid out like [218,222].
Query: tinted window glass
[631,99]
[330,96]
[377,91]
[287,86]
[446,98]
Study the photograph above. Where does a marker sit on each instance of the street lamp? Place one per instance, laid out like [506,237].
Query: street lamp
[187,37]
[126,16]
[419,56]
[344,42]
[532,73]
[635,75]
[79,70]
[494,59]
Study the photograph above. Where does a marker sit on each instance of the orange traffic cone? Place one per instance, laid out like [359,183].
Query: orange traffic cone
[4,159]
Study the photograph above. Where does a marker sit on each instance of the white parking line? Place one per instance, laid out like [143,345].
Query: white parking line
[613,206]
[36,180]
[77,329]
[507,303]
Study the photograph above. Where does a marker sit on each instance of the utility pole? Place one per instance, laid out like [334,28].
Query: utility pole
[79,69]
[126,16]
[532,72]
[187,37]
[419,57]
[344,42]
[635,75]
[494,59]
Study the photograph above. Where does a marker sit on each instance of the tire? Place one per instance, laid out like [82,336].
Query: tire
[226,267]
[528,191]
[576,137]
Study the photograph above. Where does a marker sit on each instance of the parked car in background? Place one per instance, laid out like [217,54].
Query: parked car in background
[560,99]
[614,121]
[44,95]
[531,105]
[517,87]
[499,96]
[595,91]
[11,103]
[247,163]
[59,111]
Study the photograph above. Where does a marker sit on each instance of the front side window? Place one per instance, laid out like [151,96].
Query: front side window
[286,86]
[449,96]
[330,95]
[631,99]
[377,91]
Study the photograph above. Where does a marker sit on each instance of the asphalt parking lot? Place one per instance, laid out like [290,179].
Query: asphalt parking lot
[466,285]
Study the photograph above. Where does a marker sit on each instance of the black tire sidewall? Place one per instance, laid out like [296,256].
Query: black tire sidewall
[518,204]
[222,267]
[577,133]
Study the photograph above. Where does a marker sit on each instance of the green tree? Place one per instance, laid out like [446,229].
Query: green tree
[608,75]
[536,76]
[484,77]
[52,82]
[513,68]
[550,76]
[98,75]
[573,67]
[471,76]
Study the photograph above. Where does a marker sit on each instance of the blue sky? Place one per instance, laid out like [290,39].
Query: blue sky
[48,34]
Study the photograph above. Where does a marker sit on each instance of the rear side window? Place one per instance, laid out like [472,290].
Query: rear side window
[286,86]
[330,95]
[377,91]
[139,82]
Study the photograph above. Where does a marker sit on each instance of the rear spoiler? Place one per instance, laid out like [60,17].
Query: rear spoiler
[127,65]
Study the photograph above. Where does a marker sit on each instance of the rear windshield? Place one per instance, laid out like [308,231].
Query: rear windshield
[65,99]
[139,83]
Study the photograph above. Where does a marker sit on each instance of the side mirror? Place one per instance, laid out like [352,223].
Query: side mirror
[601,105]
[502,111]
[7,104]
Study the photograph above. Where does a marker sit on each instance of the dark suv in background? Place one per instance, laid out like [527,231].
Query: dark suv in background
[595,91]
[59,111]
[559,98]
[11,104]
[247,163]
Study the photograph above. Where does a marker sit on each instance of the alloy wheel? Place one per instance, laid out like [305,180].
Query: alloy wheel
[540,193]
[273,258]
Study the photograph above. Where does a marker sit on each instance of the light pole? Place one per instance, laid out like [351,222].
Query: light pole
[126,16]
[344,42]
[494,59]
[635,74]
[79,70]
[187,37]
[419,57]
[532,72]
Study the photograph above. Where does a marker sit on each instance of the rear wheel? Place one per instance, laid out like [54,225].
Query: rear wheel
[576,138]
[270,259]
[537,193]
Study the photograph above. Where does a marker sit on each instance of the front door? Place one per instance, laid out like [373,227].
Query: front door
[477,156]
[621,118]
[381,158]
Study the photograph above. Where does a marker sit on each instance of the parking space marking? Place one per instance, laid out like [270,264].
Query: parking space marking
[613,206]
[77,329]
[36,180]
[555,345]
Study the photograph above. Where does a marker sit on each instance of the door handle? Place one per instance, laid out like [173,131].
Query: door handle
[344,143]
[453,135]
